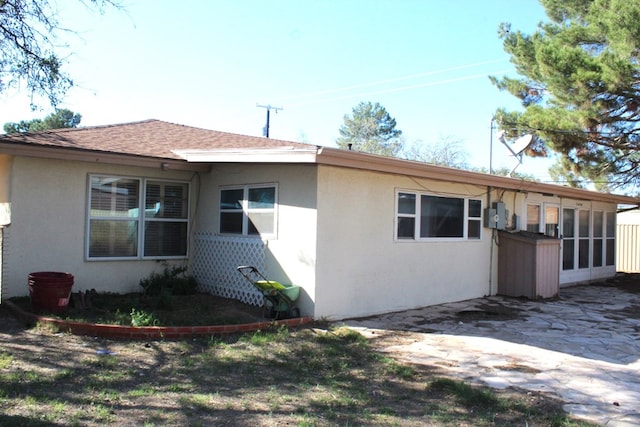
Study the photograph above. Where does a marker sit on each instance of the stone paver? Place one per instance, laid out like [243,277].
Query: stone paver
[583,347]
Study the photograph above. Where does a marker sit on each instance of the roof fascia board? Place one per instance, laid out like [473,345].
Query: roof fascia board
[58,153]
[251,155]
[358,160]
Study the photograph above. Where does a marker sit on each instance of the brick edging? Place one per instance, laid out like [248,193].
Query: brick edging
[149,332]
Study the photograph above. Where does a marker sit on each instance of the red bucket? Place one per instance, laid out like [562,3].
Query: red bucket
[50,291]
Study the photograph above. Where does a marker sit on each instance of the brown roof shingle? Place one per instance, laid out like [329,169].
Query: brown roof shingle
[149,138]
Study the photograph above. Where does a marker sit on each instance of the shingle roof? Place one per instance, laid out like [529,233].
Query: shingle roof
[149,138]
[155,140]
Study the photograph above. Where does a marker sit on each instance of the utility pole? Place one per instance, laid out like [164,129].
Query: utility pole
[265,131]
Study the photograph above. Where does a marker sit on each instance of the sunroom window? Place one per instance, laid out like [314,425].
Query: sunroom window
[425,216]
[248,210]
[118,228]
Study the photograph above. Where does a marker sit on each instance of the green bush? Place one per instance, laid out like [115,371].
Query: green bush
[173,280]
[142,318]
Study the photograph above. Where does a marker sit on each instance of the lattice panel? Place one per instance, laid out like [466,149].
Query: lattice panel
[214,266]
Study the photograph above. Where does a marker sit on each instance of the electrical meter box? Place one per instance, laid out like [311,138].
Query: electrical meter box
[496,216]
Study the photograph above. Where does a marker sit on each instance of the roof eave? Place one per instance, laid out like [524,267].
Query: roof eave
[251,155]
[92,156]
[358,160]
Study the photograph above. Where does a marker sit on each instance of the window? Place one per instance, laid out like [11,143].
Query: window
[424,216]
[584,237]
[248,210]
[568,239]
[118,228]
[165,219]
[551,217]
[598,228]
[610,229]
[533,218]
[406,216]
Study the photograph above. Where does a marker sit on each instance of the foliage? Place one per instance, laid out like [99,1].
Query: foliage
[61,119]
[143,318]
[447,151]
[5,360]
[580,88]
[28,35]
[370,129]
[169,310]
[173,279]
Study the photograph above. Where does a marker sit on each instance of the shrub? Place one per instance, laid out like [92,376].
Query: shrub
[142,318]
[173,279]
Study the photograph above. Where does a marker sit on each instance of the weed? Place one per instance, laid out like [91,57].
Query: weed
[178,388]
[46,328]
[173,279]
[102,413]
[392,367]
[261,338]
[106,361]
[142,318]
[5,360]
[196,401]
[59,408]
[64,374]
[465,394]
[144,390]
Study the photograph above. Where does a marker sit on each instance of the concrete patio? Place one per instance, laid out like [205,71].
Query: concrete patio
[583,347]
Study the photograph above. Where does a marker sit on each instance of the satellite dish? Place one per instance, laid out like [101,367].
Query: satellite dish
[521,144]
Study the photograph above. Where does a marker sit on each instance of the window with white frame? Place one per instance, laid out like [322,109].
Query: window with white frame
[533,218]
[248,210]
[610,237]
[119,228]
[425,216]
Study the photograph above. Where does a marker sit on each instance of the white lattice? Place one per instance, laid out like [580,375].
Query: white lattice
[214,266]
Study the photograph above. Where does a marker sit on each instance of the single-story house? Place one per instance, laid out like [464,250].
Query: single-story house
[361,234]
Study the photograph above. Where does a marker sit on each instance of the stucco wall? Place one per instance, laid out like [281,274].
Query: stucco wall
[47,231]
[362,270]
[291,255]
[6,164]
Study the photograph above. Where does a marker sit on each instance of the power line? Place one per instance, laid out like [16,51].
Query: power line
[391,80]
[398,89]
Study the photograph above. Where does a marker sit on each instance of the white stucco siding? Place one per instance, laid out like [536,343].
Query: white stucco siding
[6,164]
[47,231]
[291,254]
[362,270]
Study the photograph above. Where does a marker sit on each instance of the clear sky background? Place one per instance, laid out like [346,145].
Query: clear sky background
[207,63]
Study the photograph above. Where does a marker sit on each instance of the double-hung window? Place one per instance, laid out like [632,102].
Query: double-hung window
[249,210]
[137,218]
[165,218]
[425,216]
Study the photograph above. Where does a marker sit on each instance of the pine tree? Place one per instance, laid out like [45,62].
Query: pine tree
[370,129]
[580,88]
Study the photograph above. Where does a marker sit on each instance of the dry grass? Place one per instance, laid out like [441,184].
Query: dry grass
[307,377]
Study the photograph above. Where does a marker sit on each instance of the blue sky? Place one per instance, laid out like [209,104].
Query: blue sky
[208,63]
